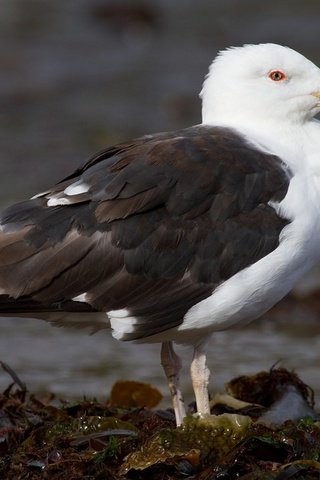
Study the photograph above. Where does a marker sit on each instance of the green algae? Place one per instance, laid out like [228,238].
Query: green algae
[202,438]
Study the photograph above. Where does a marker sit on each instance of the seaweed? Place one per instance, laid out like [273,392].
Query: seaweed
[124,438]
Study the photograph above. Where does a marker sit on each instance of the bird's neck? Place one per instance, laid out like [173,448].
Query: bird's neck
[298,144]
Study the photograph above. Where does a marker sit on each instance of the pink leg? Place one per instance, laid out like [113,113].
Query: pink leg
[200,375]
[172,365]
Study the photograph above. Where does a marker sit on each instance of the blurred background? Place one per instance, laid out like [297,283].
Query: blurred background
[79,75]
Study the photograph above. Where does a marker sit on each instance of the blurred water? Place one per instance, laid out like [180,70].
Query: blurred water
[79,75]
[72,364]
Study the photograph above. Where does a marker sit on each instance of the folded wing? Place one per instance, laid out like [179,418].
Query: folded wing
[153,226]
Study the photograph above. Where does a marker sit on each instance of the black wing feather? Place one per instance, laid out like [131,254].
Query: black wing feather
[165,219]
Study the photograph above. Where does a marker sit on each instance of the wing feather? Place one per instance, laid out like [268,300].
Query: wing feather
[153,226]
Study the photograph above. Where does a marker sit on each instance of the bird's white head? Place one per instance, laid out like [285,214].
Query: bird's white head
[260,83]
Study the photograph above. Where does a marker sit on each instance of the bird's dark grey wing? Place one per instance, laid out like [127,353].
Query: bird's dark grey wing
[152,226]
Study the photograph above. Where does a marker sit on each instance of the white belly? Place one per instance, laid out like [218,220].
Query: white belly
[251,292]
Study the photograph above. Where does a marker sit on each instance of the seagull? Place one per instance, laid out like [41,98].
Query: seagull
[172,236]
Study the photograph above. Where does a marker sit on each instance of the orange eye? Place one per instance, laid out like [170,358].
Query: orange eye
[277,75]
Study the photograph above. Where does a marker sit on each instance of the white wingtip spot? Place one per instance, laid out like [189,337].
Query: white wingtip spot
[76,188]
[80,298]
[123,313]
[121,323]
[55,201]
[38,195]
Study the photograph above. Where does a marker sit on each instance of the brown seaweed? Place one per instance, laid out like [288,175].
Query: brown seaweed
[106,440]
